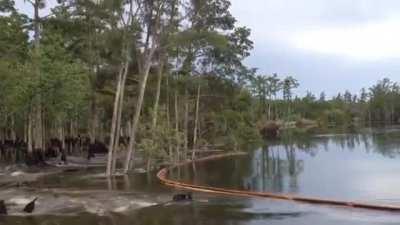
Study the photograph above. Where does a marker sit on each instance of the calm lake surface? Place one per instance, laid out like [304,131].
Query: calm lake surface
[361,167]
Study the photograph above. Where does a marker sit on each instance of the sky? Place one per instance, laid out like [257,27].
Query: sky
[25,7]
[328,45]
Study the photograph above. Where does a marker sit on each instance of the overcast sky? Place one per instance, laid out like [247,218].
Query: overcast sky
[328,45]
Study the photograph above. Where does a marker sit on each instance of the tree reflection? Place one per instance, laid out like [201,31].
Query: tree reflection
[276,167]
[279,165]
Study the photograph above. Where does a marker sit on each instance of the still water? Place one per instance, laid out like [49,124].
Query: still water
[360,167]
[357,167]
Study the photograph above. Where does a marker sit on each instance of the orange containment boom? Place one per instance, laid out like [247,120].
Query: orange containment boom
[162,176]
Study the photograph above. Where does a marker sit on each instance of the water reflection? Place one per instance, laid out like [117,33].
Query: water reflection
[348,167]
[270,168]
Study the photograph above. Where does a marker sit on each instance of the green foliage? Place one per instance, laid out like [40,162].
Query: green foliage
[51,73]
[155,141]
[288,84]
[335,117]
[13,37]
[235,126]
[193,37]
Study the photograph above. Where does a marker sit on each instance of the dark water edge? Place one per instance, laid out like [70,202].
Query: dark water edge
[289,166]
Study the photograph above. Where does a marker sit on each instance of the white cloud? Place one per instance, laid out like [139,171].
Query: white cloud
[370,41]
[357,29]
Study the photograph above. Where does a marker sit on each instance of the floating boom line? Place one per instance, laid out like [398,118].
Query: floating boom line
[162,176]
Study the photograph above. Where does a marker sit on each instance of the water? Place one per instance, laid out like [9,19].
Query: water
[360,167]
[357,167]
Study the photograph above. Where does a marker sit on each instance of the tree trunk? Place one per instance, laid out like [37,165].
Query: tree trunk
[26,129]
[196,122]
[13,133]
[144,63]
[156,106]
[60,132]
[121,104]
[177,127]
[186,125]
[29,136]
[158,93]
[94,114]
[169,120]
[115,122]
[36,25]
[148,166]
[119,100]
[2,136]
[138,110]
[38,128]
[44,136]
[37,108]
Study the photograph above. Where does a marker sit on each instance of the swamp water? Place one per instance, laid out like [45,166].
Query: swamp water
[361,167]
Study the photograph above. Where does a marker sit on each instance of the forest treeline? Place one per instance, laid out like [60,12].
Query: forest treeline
[163,78]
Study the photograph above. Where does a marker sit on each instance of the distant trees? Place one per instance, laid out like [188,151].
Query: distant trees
[384,101]
[380,103]
[266,88]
